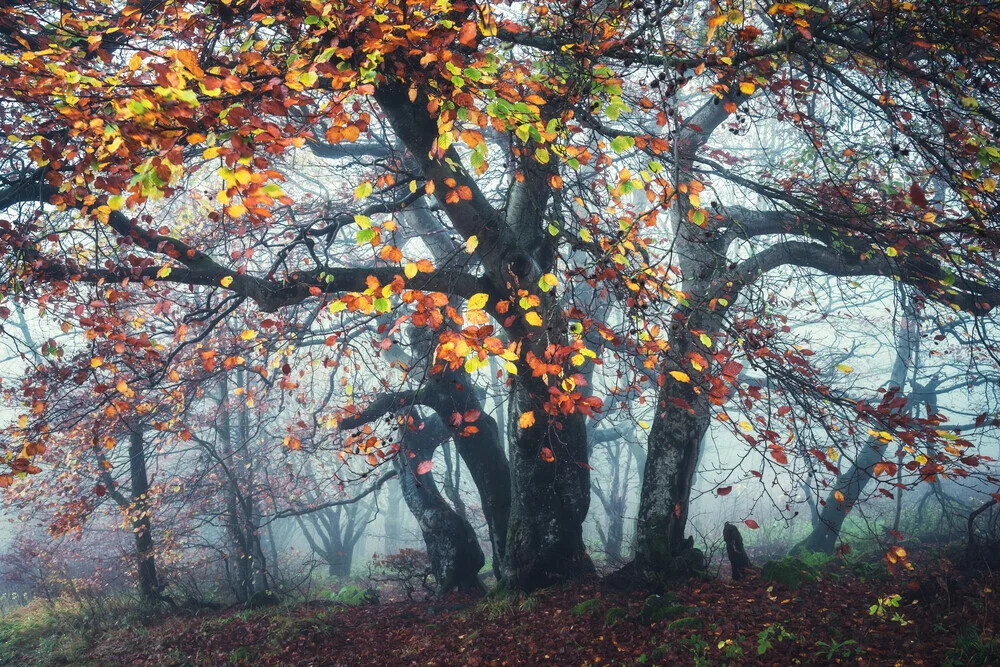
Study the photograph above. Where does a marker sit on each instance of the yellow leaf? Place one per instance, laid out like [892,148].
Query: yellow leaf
[680,376]
[533,319]
[163,272]
[337,306]
[471,244]
[747,88]
[226,281]
[96,362]
[116,202]
[643,424]
[705,340]
[527,420]
[248,334]
[22,421]
[844,368]
[839,496]
[550,280]
[746,426]
[477,301]
[410,270]
[236,210]
[511,368]
[211,152]
[891,252]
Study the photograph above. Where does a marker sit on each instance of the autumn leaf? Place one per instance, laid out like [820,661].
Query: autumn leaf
[533,318]
[527,419]
[547,455]
[723,490]
[478,301]
[248,334]
[680,376]
[751,524]
[844,368]
[839,496]
[467,34]
[425,467]
[226,281]
[471,244]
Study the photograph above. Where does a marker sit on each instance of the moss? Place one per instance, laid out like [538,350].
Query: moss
[658,608]
[586,608]
[614,616]
[789,571]
[685,623]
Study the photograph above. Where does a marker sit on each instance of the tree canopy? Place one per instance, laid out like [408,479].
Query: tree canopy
[604,211]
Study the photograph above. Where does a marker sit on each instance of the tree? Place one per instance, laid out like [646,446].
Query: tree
[491,112]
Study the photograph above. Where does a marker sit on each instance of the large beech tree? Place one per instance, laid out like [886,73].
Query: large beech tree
[574,151]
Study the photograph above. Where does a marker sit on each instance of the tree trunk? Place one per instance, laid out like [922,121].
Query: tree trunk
[679,425]
[480,448]
[452,546]
[550,497]
[149,585]
[734,549]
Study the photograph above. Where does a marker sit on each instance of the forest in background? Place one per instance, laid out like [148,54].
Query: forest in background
[650,331]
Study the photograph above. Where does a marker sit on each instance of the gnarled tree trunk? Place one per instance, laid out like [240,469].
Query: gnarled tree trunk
[452,545]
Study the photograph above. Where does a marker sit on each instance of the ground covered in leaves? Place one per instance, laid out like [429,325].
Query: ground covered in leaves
[850,615]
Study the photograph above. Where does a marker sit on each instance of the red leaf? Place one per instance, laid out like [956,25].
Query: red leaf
[917,195]
[456,419]
[779,456]
[723,490]
[471,416]
[547,455]
[100,490]
[751,524]
[756,473]
[425,467]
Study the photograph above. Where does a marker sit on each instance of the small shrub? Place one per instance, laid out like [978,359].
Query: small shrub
[353,596]
[410,569]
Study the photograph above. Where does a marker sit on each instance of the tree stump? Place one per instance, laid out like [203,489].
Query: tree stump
[734,548]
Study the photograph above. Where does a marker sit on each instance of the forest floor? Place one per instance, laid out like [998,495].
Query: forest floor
[838,619]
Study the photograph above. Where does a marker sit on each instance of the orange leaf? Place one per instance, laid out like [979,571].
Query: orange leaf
[467,35]
[547,455]
[527,420]
[839,496]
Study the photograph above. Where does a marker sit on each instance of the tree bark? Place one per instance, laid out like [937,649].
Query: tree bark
[452,546]
[734,549]
[149,585]
[550,498]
